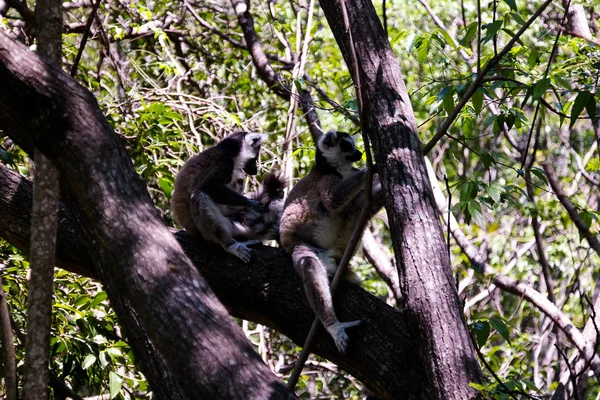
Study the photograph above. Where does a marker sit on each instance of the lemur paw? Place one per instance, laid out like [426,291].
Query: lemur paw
[338,333]
[240,251]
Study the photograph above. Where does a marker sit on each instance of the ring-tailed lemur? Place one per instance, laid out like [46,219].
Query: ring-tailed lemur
[207,197]
[318,219]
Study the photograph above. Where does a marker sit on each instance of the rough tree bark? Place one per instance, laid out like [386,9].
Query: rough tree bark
[267,290]
[429,297]
[49,20]
[134,253]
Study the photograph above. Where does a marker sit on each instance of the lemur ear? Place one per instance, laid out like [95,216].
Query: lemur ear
[253,139]
[329,139]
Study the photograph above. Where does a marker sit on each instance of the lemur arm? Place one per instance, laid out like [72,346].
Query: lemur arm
[341,193]
[222,194]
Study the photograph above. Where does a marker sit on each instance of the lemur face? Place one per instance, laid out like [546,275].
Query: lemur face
[249,152]
[338,148]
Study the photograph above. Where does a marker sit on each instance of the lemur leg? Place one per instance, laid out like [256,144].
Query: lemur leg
[213,226]
[316,284]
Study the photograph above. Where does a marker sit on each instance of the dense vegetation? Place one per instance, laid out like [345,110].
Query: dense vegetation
[514,124]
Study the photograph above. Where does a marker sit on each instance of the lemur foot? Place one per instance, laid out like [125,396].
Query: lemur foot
[240,251]
[338,333]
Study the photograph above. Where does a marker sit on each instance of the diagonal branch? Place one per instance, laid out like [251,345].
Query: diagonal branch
[571,209]
[477,82]
[513,286]
[266,72]
[266,291]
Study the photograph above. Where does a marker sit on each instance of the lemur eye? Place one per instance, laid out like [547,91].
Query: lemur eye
[346,146]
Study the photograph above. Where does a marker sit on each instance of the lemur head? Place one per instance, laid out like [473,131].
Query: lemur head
[244,147]
[337,150]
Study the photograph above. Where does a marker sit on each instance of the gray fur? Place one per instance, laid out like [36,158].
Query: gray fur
[318,219]
[207,192]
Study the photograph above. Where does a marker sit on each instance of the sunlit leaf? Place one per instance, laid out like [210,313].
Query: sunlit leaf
[114,383]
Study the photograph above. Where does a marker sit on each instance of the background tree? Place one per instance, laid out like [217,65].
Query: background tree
[173,78]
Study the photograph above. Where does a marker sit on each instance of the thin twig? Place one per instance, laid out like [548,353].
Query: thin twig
[477,82]
[537,106]
[571,374]
[86,33]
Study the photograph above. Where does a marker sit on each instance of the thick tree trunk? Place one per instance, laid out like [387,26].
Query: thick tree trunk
[266,291]
[135,255]
[430,300]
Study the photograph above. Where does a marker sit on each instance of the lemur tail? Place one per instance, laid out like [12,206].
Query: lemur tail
[265,225]
[272,189]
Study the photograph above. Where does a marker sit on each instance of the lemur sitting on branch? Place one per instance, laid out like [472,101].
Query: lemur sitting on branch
[208,198]
[318,219]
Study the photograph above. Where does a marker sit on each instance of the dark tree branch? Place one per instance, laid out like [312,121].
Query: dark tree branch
[134,253]
[266,72]
[86,34]
[266,291]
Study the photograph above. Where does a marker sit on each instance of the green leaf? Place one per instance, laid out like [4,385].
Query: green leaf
[114,383]
[512,4]
[539,173]
[465,191]
[412,42]
[477,100]
[398,37]
[474,209]
[593,165]
[448,101]
[501,328]
[488,160]
[580,103]
[99,298]
[591,106]
[492,29]
[530,385]
[517,17]
[481,329]
[494,192]
[89,360]
[166,184]
[540,88]
[448,38]
[470,34]
[586,217]
[423,50]
[468,124]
